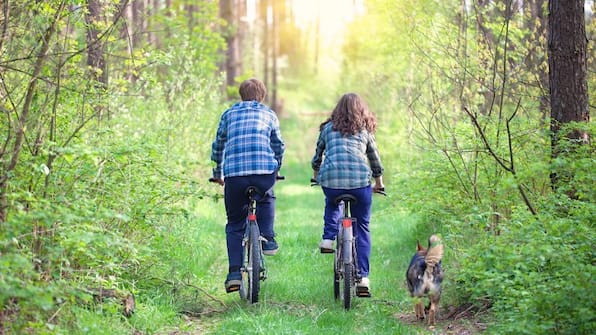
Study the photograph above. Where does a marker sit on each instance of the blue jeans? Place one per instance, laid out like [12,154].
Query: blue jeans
[361,212]
[236,203]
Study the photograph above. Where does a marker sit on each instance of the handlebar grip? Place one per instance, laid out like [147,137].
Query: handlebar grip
[212,180]
[381,191]
[278,177]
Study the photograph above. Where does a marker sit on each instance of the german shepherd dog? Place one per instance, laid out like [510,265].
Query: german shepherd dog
[424,277]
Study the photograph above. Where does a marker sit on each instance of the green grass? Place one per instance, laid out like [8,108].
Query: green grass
[297,297]
[187,295]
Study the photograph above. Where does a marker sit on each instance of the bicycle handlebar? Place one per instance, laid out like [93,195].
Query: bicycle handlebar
[278,177]
[381,191]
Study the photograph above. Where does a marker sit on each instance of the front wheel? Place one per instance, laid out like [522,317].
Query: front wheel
[254,264]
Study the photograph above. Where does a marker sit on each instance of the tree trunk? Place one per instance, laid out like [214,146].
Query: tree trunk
[95,51]
[567,62]
[536,23]
[228,11]
[274,50]
[266,42]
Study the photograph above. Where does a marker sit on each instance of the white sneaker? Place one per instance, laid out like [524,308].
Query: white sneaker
[326,246]
[364,281]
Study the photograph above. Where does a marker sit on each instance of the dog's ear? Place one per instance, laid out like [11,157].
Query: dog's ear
[419,247]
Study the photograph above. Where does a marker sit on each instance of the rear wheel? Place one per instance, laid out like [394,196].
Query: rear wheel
[347,285]
[254,264]
[336,275]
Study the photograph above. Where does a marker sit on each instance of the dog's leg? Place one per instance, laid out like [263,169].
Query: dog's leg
[419,308]
[434,307]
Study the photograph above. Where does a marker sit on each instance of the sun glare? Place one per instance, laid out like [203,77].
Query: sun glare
[333,16]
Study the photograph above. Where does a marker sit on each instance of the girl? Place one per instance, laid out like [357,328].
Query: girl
[345,160]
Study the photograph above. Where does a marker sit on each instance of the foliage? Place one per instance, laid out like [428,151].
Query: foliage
[88,193]
[468,91]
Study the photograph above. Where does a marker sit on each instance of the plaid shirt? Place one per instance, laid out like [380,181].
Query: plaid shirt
[349,161]
[248,141]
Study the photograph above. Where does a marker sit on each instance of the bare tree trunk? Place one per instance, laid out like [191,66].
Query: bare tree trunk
[95,51]
[229,12]
[567,45]
[266,43]
[138,22]
[274,51]
[536,23]
[5,19]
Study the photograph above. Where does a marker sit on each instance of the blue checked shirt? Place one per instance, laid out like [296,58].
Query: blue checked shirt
[346,162]
[248,141]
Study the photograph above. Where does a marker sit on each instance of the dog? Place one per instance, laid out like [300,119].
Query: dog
[424,277]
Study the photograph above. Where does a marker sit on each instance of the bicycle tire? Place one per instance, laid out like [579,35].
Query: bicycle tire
[254,263]
[244,286]
[336,273]
[347,285]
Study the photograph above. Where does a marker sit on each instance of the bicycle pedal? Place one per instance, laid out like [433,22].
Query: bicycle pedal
[363,293]
[233,288]
[327,251]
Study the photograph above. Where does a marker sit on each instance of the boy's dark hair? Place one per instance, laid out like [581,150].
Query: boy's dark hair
[252,89]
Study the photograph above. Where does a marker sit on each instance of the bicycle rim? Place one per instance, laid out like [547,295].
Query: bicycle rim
[254,264]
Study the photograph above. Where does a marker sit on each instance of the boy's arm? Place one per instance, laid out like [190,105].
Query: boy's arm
[277,143]
[217,150]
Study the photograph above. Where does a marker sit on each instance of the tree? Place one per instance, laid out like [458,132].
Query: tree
[231,12]
[95,49]
[12,146]
[567,62]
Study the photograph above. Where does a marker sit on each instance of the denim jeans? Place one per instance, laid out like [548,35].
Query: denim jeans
[361,212]
[236,203]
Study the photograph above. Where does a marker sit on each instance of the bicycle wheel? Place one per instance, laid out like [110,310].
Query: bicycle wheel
[244,271]
[254,263]
[336,271]
[347,285]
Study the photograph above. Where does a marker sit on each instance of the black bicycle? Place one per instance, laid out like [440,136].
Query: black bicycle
[345,264]
[253,268]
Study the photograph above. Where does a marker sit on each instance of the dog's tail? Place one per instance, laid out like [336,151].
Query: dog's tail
[434,254]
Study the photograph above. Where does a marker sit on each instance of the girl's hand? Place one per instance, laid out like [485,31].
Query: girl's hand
[378,187]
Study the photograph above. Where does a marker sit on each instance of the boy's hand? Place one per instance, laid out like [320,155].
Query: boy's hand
[217,181]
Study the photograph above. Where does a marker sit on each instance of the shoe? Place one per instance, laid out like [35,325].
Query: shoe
[363,288]
[326,246]
[233,282]
[270,247]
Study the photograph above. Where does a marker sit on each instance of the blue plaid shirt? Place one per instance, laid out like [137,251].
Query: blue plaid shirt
[346,162]
[248,141]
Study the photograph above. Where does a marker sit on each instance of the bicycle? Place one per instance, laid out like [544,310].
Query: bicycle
[345,265]
[253,268]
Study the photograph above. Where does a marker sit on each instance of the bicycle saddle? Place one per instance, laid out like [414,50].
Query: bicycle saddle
[345,197]
[252,191]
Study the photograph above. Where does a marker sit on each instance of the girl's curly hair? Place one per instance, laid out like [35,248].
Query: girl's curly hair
[351,115]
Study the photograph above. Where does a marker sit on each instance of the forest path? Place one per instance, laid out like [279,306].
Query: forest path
[297,297]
